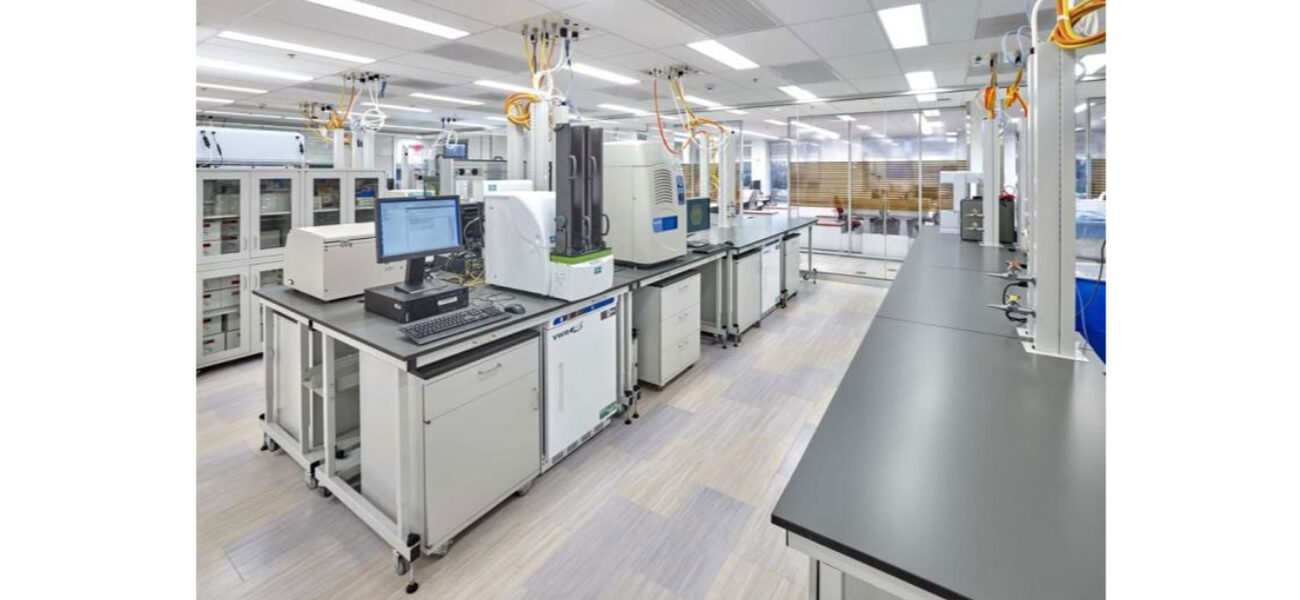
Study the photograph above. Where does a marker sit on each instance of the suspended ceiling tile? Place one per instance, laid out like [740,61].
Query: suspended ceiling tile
[481,57]
[720,17]
[950,21]
[638,21]
[445,65]
[830,89]
[791,12]
[216,17]
[775,46]
[493,12]
[813,71]
[955,55]
[861,66]
[880,85]
[604,47]
[844,36]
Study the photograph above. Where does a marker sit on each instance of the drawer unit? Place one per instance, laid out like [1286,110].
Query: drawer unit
[213,344]
[771,278]
[213,325]
[232,339]
[749,291]
[482,432]
[790,264]
[667,321]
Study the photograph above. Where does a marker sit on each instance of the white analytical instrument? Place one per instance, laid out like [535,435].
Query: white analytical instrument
[517,252]
[336,261]
[645,200]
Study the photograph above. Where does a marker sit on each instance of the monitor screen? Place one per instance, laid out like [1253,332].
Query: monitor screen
[697,214]
[414,227]
[455,151]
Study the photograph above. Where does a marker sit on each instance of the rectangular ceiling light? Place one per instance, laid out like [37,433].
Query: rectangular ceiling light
[395,107]
[261,41]
[864,127]
[214,100]
[927,97]
[392,17]
[815,129]
[1080,108]
[497,119]
[225,65]
[774,122]
[798,93]
[723,54]
[232,88]
[239,114]
[762,135]
[457,101]
[846,118]
[738,112]
[598,73]
[702,102]
[933,112]
[624,109]
[905,26]
[497,85]
[921,80]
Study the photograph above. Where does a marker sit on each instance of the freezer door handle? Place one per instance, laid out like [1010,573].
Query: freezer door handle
[490,369]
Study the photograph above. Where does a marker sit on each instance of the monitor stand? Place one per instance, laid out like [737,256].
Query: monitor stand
[415,283]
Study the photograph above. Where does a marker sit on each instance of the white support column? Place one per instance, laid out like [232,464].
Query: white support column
[991,154]
[726,177]
[1051,242]
[702,180]
[516,142]
[367,151]
[540,147]
[340,150]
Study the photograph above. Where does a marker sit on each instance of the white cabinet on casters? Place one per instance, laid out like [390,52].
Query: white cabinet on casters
[771,279]
[667,322]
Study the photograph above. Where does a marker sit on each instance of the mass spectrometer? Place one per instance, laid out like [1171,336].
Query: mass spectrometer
[645,199]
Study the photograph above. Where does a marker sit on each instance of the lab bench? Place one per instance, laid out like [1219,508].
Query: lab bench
[950,462]
[419,441]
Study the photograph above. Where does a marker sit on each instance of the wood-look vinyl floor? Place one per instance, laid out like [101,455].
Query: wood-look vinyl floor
[675,506]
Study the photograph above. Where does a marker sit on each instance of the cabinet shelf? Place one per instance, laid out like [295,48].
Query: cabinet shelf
[277,213]
[229,216]
[347,375]
[216,312]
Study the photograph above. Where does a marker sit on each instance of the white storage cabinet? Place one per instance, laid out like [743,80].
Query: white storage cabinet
[667,321]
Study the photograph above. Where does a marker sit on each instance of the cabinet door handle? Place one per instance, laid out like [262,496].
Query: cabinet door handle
[490,369]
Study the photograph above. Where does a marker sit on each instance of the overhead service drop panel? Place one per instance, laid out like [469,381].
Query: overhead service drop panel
[220,146]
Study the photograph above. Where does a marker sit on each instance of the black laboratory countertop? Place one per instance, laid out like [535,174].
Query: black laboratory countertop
[951,458]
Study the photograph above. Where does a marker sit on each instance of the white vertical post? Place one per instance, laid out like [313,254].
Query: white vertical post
[702,179]
[726,177]
[516,141]
[1051,242]
[991,154]
[340,150]
[367,150]
[540,147]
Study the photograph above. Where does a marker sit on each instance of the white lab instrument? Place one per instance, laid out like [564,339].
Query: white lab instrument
[645,200]
[581,385]
[748,286]
[517,251]
[218,146]
[507,185]
[336,261]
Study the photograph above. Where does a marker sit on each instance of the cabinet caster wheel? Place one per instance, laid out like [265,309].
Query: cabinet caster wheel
[523,491]
[269,444]
[310,481]
[411,587]
[402,566]
[442,550]
[325,492]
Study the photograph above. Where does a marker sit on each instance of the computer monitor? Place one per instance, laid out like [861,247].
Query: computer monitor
[697,214]
[412,228]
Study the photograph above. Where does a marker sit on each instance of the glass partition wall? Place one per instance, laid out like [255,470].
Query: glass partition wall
[871,178]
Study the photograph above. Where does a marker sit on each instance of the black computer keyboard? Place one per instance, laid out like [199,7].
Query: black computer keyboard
[439,326]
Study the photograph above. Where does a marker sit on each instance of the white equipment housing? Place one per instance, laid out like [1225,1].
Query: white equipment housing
[507,185]
[247,147]
[581,386]
[645,200]
[517,251]
[950,220]
[336,261]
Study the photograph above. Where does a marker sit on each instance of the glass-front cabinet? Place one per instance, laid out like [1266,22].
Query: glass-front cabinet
[275,200]
[365,190]
[222,216]
[222,314]
[326,195]
[262,275]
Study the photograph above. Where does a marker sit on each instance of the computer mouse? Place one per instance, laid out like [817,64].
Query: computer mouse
[517,309]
